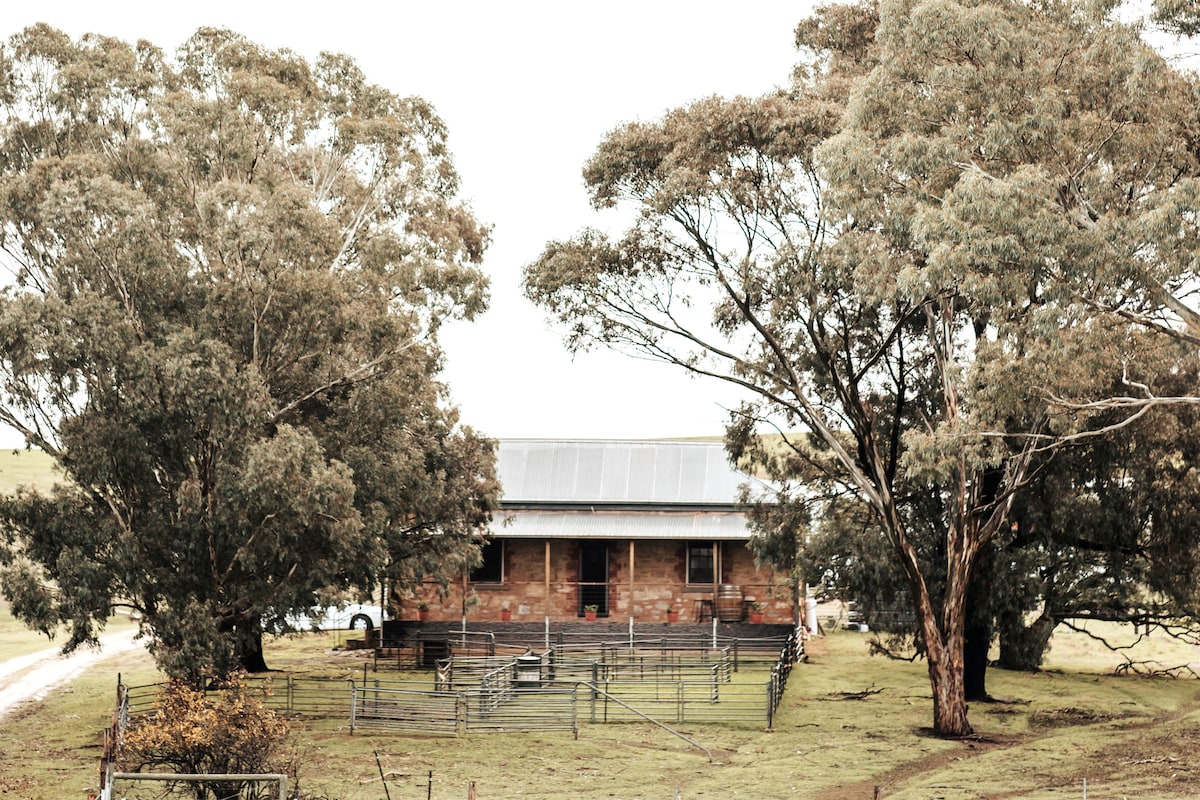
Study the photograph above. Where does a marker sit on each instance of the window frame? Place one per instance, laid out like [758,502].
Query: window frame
[495,572]
[690,558]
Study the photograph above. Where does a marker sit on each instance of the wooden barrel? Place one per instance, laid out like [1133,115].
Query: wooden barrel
[729,602]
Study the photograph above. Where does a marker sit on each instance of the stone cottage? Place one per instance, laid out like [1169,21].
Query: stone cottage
[634,529]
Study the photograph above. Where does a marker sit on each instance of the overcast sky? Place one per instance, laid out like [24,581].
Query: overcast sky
[527,89]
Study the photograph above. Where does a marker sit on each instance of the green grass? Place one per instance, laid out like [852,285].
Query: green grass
[1128,736]
[31,468]
[15,638]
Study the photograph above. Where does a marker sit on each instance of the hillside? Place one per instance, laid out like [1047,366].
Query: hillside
[27,468]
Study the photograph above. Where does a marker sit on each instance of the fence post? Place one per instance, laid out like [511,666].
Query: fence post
[575,710]
[771,700]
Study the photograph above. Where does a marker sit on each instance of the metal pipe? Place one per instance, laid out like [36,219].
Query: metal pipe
[184,777]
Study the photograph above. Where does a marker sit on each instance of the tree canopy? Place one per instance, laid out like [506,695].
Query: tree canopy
[930,261]
[229,269]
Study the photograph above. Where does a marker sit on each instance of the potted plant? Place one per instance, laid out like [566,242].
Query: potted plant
[505,612]
[756,613]
[589,612]
[422,612]
[672,614]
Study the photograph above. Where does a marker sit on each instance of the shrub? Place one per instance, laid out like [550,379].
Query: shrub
[230,730]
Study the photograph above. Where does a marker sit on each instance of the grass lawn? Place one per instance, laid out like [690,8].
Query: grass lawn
[31,468]
[849,723]
[15,638]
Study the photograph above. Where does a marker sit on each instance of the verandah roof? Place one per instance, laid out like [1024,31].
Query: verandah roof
[706,526]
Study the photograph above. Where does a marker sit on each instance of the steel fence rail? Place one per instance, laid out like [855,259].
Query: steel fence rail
[487,692]
[609,664]
[502,702]
[496,686]
[791,654]
[114,736]
[424,649]
[638,666]
[521,709]
[708,702]
[404,710]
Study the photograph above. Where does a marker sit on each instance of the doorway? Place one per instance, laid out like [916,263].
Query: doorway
[593,577]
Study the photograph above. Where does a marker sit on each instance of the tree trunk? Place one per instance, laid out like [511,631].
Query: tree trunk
[976,645]
[949,697]
[977,640]
[1023,647]
[944,635]
[944,654]
[250,646]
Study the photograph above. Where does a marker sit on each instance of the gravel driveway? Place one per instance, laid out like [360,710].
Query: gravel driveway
[30,677]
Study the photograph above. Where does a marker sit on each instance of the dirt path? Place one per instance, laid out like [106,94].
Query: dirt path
[882,785]
[29,678]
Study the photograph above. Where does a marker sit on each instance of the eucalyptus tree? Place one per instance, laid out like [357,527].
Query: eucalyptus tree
[229,269]
[927,257]
[1102,531]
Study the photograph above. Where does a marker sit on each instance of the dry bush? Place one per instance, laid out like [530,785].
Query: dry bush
[230,731]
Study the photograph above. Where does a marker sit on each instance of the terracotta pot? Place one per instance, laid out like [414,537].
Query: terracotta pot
[505,614]
[672,616]
[590,616]
[756,617]
[422,616]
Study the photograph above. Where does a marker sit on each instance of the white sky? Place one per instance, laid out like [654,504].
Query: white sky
[528,89]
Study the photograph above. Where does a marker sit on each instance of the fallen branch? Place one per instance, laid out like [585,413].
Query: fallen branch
[1155,669]
[865,693]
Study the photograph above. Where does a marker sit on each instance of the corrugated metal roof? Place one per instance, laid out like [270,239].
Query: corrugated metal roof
[617,472]
[704,526]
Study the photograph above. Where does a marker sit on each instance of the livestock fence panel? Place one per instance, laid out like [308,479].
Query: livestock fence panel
[708,702]
[311,697]
[791,654]
[142,699]
[424,649]
[652,667]
[521,709]
[404,710]
[484,692]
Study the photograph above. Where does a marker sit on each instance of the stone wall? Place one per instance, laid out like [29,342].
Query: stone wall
[644,590]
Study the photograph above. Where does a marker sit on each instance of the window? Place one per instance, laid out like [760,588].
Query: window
[700,563]
[491,570]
